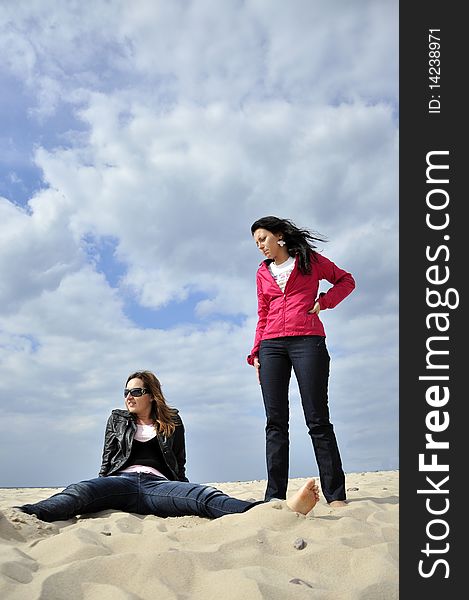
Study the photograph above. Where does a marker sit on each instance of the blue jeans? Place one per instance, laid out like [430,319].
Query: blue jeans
[310,360]
[139,493]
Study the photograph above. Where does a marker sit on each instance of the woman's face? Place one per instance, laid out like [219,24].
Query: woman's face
[138,405]
[266,241]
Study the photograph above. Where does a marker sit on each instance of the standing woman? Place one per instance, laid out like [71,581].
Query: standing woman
[290,334]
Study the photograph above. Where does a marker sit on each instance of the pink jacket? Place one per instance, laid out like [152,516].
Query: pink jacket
[286,313]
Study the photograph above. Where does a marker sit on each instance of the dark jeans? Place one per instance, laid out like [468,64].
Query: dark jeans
[139,493]
[310,360]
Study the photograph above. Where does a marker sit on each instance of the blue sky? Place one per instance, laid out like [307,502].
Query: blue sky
[139,141]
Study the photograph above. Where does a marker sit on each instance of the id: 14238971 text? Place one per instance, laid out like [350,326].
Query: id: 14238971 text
[434,63]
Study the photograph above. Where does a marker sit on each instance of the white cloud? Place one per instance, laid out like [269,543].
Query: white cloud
[36,250]
[180,201]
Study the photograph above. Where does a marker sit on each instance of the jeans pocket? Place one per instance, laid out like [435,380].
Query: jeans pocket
[321,342]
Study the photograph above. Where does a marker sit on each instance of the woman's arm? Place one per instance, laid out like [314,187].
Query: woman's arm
[179,449]
[262,312]
[108,450]
[342,282]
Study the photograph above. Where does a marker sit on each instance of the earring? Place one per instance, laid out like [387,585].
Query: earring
[281,243]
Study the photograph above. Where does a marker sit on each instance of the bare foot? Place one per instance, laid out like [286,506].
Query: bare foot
[305,498]
[337,503]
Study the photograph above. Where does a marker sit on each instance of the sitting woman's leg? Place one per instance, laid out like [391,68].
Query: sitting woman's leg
[93,495]
[145,494]
[180,498]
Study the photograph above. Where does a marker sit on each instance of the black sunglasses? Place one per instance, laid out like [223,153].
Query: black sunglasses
[135,392]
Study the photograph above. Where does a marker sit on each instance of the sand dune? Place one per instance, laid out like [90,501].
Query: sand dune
[269,552]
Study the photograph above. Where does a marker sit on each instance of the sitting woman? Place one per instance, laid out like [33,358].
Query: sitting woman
[143,468]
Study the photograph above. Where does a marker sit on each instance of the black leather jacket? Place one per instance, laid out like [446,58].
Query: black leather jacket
[120,431]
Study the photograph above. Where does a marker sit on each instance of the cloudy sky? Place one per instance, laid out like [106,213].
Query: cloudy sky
[138,142]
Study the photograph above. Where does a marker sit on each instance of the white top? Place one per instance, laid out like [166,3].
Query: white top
[282,272]
[144,433]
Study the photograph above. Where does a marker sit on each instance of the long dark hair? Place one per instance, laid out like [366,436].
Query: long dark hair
[298,241]
[161,414]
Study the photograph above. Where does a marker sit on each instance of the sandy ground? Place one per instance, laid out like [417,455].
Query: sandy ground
[270,552]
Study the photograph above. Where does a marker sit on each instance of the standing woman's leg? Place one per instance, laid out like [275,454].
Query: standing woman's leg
[311,361]
[275,372]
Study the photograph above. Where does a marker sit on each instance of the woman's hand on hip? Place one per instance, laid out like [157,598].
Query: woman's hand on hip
[315,310]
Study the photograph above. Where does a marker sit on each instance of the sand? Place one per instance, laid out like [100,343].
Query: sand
[269,552]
